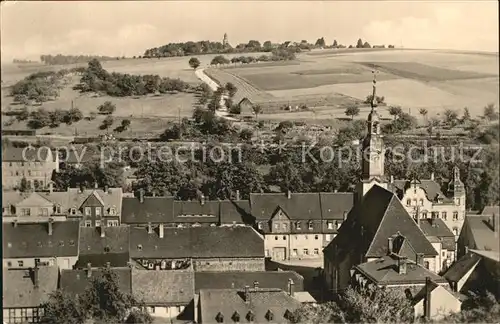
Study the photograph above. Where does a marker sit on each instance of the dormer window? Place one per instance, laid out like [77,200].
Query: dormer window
[73,211]
[58,209]
[139,247]
[259,225]
[112,211]
[98,211]
[88,211]
[329,224]
[297,225]
[310,225]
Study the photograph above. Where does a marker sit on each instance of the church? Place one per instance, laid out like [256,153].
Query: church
[385,209]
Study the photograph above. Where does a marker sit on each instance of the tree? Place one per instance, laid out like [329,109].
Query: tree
[246,134]
[359,44]
[39,119]
[74,115]
[366,45]
[423,112]
[450,117]
[125,123]
[352,111]
[63,308]
[335,44]
[257,110]
[231,89]
[194,62]
[24,185]
[107,108]
[107,122]
[395,111]
[466,116]
[267,46]
[320,42]
[490,112]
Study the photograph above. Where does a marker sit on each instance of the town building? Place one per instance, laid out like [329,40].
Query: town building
[42,244]
[203,248]
[33,207]
[25,291]
[442,239]
[166,294]
[35,165]
[95,207]
[479,233]
[434,301]
[298,225]
[258,305]
[100,246]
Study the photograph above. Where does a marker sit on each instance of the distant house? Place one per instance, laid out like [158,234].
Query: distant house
[165,293]
[203,248]
[147,210]
[480,232]
[442,239]
[434,301]
[36,165]
[24,292]
[18,132]
[100,246]
[47,244]
[196,213]
[246,105]
[258,305]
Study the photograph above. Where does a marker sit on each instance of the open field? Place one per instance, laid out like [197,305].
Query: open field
[413,79]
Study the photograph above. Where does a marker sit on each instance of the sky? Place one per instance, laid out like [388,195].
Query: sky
[29,29]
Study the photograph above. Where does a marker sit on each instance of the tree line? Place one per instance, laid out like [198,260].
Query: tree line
[60,59]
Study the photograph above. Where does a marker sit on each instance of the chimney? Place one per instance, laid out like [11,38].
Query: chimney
[154,193]
[106,188]
[427,299]
[432,176]
[103,233]
[89,270]
[256,284]
[160,231]
[108,265]
[291,287]
[247,294]
[141,195]
[202,199]
[150,228]
[237,195]
[35,276]
[389,245]
[51,187]
[402,265]
[51,223]
[289,194]
[392,178]
[96,186]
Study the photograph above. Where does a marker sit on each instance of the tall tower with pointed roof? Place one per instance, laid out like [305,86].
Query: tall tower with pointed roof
[225,42]
[372,149]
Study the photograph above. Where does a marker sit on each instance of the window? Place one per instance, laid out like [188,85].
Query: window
[9,264]
[112,211]
[20,263]
[58,209]
[295,252]
[421,201]
[73,211]
[424,215]
[455,216]
[329,225]
[458,201]
[306,251]
[98,211]
[297,225]
[455,231]
[310,225]
[259,225]
[284,227]
[408,202]
[316,251]
[25,211]
[444,254]
[414,202]
[316,237]
[275,238]
[88,223]
[267,253]
[276,226]
[112,223]
[29,173]
[284,238]
[88,211]
[443,215]
[426,264]
[327,237]
[97,222]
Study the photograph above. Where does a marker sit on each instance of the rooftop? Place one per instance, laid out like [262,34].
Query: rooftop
[76,282]
[482,231]
[97,249]
[151,210]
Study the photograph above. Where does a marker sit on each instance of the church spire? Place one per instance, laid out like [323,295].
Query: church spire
[373,103]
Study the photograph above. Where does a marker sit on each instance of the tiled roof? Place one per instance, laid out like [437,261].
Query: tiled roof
[431,187]
[196,211]
[76,156]
[163,287]
[97,250]
[152,210]
[435,227]
[491,210]
[334,205]
[482,232]
[19,288]
[77,281]
[369,225]
[23,154]
[240,279]
[197,242]
[459,268]
[237,211]
[33,240]
[112,198]
[384,271]
[298,206]
[263,301]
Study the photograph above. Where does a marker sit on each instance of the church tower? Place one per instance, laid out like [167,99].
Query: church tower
[372,150]
[456,188]
[225,42]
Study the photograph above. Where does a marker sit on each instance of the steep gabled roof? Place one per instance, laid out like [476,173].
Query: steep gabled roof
[240,279]
[431,187]
[175,287]
[97,250]
[35,199]
[112,198]
[152,210]
[463,265]
[237,211]
[19,287]
[335,204]
[298,206]
[76,282]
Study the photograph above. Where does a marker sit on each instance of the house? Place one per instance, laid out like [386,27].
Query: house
[245,105]
[165,293]
[43,244]
[479,232]
[258,305]
[491,210]
[297,225]
[148,210]
[75,158]
[35,165]
[75,282]
[33,207]
[426,198]
[235,279]
[442,239]
[24,292]
[94,207]
[196,213]
[364,236]
[203,248]
[434,301]
[100,245]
